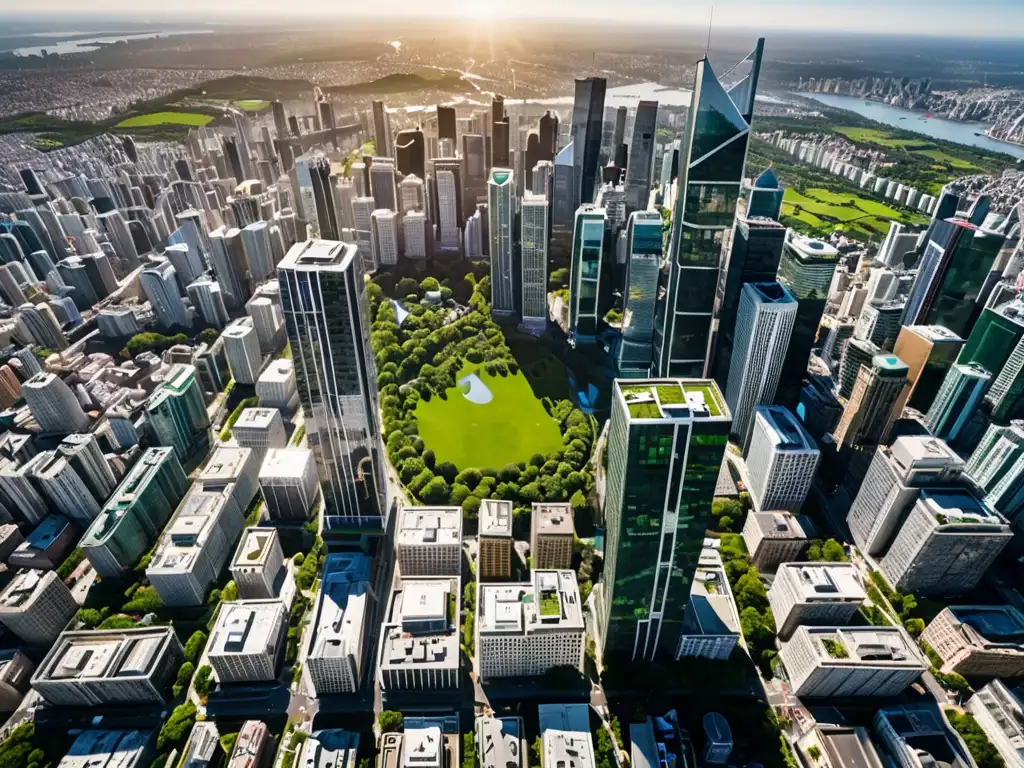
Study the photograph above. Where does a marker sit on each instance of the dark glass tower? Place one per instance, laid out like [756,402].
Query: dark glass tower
[411,153]
[997,344]
[548,136]
[666,441]
[641,156]
[446,123]
[710,175]
[587,127]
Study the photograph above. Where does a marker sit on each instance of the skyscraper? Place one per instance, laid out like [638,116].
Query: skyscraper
[382,129]
[997,468]
[585,274]
[501,211]
[666,441]
[929,351]
[781,460]
[643,262]
[384,237]
[259,253]
[764,197]
[446,207]
[872,408]
[86,457]
[715,151]
[641,155]
[242,345]
[996,343]
[382,184]
[446,123]
[534,255]
[161,288]
[177,413]
[763,328]
[207,297]
[53,405]
[228,259]
[411,153]
[587,127]
[957,400]
[313,173]
[323,295]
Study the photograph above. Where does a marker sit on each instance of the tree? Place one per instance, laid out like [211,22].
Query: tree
[429,284]
[230,591]
[435,491]
[407,286]
[177,727]
[447,470]
[208,335]
[89,616]
[194,645]
[749,590]
[184,676]
[914,627]
[832,552]
[203,681]
[429,459]
[814,753]
[391,721]
[471,507]
[227,743]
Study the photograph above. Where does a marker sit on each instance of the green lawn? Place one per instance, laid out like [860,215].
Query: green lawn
[510,428]
[252,105]
[947,159]
[165,118]
[859,216]
[877,136]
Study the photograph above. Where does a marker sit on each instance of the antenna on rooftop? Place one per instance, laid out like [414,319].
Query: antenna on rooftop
[711,21]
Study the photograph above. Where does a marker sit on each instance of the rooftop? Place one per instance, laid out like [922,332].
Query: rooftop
[922,451]
[108,749]
[105,653]
[567,749]
[682,399]
[848,747]
[26,584]
[500,741]
[313,255]
[246,627]
[341,606]
[960,507]
[257,418]
[779,525]
[712,610]
[332,748]
[430,525]
[254,546]
[285,462]
[809,248]
[991,625]
[787,430]
[189,529]
[278,370]
[421,630]
[772,293]
[552,519]
[923,730]
[225,465]
[495,518]
[551,601]
[45,534]
[249,744]
[889,365]
[873,646]
[820,582]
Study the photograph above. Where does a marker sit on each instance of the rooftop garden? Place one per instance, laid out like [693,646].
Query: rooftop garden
[549,604]
[710,397]
[670,394]
[835,648]
[645,410]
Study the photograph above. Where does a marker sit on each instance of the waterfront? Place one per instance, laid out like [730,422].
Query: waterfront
[66,47]
[908,120]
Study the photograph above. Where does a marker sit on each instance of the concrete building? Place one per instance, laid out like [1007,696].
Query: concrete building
[203,749]
[113,749]
[276,385]
[250,745]
[781,458]
[419,644]
[978,640]
[500,742]
[235,470]
[19,493]
[524,630]
[916,736]
[260,429]
[46,546]
[15,672]
[86,458]
[344,606]
[243,349]
[109,667]
[63,488]
[711,623]
[258,564]
[160,283]
[384,237]
[177,413]
[264,308]
[494,540]
[207,297]
[567,748]
[428,541]
[330,748]
[1000,713]
[10,538]
[957,400]
[815,594]
[534,233]
[551,536]
[501,210]
[247,640]
[946,544]
[36,607]
[773,538]
[53,405]
[824,662]
[289,483]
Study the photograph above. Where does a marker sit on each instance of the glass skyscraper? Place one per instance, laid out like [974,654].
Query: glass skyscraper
[710,176]
[501,211]
[996,344]
[534,250]
[643,259]
[587,125]
[585,273]
[177,413]
[666,442]
[323,295]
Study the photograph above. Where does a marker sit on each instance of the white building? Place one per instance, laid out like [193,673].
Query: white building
[276,385]
[711,624]
[826,662]
[524,630]
[242,346]
[916,736]
[410,193]
[260,429]
[419,644]
[978,640]
[534,229]
[1000,713]
[265,310]
[773,538]
[781,459]
[207,297]
[53,405]
[946,544]
[428,541]
[247,639]
[344,604]
[258,564]
[289,482]
[416,234]
[501,210]
[36,607]
[235,470]
[500,741]
[384,237]
[63,487]
[815,594]
[161,288]
[764,324]
[567,749]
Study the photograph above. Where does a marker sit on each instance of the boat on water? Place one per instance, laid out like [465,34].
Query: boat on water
[903,118]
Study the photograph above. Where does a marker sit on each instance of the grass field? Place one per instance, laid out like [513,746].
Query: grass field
[947,159]
[510,428]
[252,105]
[165,118]
[851,213]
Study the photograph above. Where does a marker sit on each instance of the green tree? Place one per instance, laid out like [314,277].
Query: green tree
[832,552]
[194,645]
[429,284]
[89,616]
[391,721]
[203,681]
[176,729]
[227,743]
[471,508]
[435,492]
[407,286]
[230,591]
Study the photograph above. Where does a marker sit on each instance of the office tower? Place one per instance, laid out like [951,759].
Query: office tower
[643,263]
[956,263]
[997,468]
[872,408]
[335,375]
[718,130]
[764,196]
[384,237]
[410,153]
[345,602]
[446,123]
[259,253]
[473,169]
[773,538]
[586,134]
[187,268]
[207,297]
[997,344]
[880,322]
[10,386]
[410,194]
[36,607]
[362,210]
[827,662]
[242,346]
[416,235]
[946,544]
[84,454]
[666,443]
[53,405]
[19,494]
[929,351]
[756,250]
[563,211]
[893,483]
[161,288]
[526,630]
[957,400]
[246,640]
[257,564]
[856,354]
[764,324]
[806,269]
[815,595]
[10,287]
[897,245]
[382,184]
[115,227]
[781,460]
[260,429]
[534,255]
[72,272]
[447,203]
[30,364]
[494,540]
[641,156]
[41,264]
[344,191]
[978,640]
[288,479]
[228,261]
[585,274]
[313,174]
[542,177]
[428,541]
[548,127]
[382,130]
[42,326]
[136,513]
[501,156]
[501,210]
[61,485]
[177,413]
[551,535]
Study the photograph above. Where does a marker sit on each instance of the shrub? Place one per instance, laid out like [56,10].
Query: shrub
[203,681]
[391,721]
[194,646]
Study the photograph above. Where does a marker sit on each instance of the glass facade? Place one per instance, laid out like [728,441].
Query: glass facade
[585,273]
[644,243]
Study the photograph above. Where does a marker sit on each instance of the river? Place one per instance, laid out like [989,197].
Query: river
[87,45]
[909,120]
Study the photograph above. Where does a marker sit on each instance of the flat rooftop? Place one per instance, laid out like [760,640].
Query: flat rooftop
[225,465]
[23,586]
[772,293]
[500,742]
[341,606]
[278,371]
[848,747]
[923,730]
[258,418]
[923,451]
[551,601]
[823,582]
[105,653]
[809,248]
[108,749]
[682,399]
[957,506]
[873,646]
[314,255]
[192,523]
[789,433]
[567,749]
[495,518]
[246,627]
[45,534]
[989,625]
[430,525]
[255,546]
[553,519]
[420,631]
[712,607]
[332,748]
[285,463]
[778,525]
[239,329]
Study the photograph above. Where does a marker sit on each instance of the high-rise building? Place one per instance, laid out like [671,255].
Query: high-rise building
[53,405]
[815,595]
[551,535]
[177,413]
[36,607]
[247,640]
[644,246]
[446,209]
[641,156]
[72,271]
[10,386]
[323,294]
[228,260]
[265,310]
[344,606]
[978,640]
[384,237]
[718,130]
[382,184]
[382,129]
[996,343]
[764,325]
[42,326]
[764,196]
[585,274]
[946,544]
[534,256]
[997,468]
[957,400]
[288,479]
[494,539]
[242,345]
[711,623]
[773,538]
[806,269]
[86,458]
[428,541]
[501,209]
[857,353]
[666,442]
[259,252]
[586,134]
[161,288]
[416,235]
[929,351]
[872,408]
[446,123]
[258,563]
[206,296]
[316,196]
[781,459]
[893,483]
[63,487]
[411,152]
[411,194]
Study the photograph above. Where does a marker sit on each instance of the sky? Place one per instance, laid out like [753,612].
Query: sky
[974,18]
